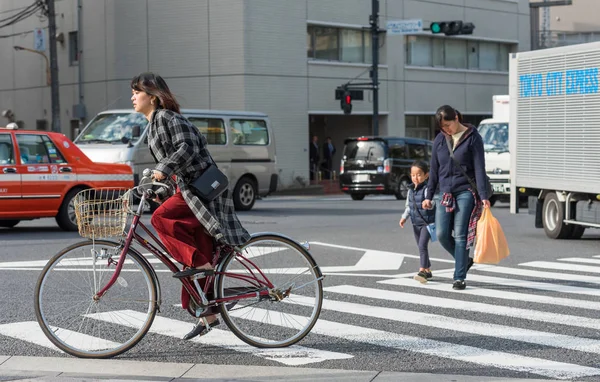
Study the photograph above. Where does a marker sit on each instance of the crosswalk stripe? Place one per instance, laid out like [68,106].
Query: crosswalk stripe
[30,331]
[480,356]
[580,260]
[497,293]
[560,266]
[526,284]
[461,325]
[541,274]
[293,355]
[471,306]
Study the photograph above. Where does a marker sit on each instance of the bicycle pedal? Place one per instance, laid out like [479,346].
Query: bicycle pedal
[199,273]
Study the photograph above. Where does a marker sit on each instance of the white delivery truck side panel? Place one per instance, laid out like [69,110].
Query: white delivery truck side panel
[555,136]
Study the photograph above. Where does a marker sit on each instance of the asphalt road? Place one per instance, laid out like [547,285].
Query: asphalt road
[533,315]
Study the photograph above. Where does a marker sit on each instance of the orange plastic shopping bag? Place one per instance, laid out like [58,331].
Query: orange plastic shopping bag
[491,245]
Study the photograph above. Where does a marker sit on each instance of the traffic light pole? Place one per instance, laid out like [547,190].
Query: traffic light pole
[374,21]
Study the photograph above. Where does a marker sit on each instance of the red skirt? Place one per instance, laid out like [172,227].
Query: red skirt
[183,235]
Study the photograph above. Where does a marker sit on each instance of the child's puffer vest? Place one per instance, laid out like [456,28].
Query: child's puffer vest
[416,196]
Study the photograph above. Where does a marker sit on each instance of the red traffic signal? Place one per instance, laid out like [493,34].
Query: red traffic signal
[346,102]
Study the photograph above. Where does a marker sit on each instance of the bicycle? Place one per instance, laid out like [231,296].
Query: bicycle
[100,327]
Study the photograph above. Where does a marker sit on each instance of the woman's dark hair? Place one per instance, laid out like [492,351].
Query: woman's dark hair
[154,85]
[447,113]
[421,165]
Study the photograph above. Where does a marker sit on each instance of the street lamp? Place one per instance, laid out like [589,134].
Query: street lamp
[16,47]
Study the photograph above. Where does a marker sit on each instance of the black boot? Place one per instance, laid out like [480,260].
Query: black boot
[200,329]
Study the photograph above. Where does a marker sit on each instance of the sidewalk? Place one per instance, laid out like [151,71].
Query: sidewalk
[55,369]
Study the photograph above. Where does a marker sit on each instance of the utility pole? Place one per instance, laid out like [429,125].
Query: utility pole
[534,15]
[374,21]
[54,90]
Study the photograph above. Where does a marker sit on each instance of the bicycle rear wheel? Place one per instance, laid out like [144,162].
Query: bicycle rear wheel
[76,323]
[290,311]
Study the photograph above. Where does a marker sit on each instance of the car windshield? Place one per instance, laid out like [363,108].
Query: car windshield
[113,128]
[495,136]
[364,150]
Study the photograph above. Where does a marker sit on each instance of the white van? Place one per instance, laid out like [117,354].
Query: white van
[240,142]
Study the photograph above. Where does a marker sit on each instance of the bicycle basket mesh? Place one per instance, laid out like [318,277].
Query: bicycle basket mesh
[101,212]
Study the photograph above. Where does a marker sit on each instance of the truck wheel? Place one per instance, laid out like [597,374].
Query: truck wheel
[357,196]
[244,194]
[66,213]
[402,192]
[553,214]
[578,231]
[8,223]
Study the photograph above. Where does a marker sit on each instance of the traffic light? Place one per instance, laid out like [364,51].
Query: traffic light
[451,28]
[346,101]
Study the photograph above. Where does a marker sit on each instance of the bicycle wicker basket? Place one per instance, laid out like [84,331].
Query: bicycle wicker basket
[102,212]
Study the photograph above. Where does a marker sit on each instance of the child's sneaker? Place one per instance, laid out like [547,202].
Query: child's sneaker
[421,277]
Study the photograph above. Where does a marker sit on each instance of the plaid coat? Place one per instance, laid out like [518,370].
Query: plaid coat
[179,149]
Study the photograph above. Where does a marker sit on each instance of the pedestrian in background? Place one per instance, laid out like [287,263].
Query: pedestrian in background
[420,218]
[459,203]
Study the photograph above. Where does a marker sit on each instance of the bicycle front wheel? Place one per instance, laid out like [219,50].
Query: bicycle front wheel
[291,308]
[87,328]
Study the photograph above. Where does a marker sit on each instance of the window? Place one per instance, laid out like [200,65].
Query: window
[213,129]
[73,48]
[249,132]
[456,53]
[326,43]
[397,150]
[488,56]
[416,152]
[6,150]
[36,149]
[420,126]
[338,44]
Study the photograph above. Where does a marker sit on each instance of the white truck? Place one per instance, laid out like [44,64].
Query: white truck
[494,132]
[555,137]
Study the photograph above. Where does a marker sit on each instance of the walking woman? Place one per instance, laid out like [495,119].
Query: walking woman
[459,205]
[186,226]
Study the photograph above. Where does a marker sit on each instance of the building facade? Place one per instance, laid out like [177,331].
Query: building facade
[284,58]
[569,24]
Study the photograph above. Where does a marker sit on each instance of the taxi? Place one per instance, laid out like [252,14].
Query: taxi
[41,172]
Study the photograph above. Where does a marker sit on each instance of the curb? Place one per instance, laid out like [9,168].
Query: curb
[72,369]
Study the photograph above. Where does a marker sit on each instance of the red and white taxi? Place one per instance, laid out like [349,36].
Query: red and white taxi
[41,172]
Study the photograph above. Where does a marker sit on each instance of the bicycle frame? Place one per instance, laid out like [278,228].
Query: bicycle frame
[163,255]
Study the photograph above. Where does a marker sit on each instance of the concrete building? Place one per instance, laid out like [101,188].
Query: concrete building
[283,57]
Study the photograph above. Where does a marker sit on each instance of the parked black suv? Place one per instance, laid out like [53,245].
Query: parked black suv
[380,165]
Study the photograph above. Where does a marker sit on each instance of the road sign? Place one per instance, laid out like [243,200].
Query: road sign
[39,42]
[404,27]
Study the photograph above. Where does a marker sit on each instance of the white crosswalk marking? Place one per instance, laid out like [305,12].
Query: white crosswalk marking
[479,307]
[30,331]
[542,274]
[458,352]
[561,266]
[498,293]
[293,355]
[581,260]
[526,284]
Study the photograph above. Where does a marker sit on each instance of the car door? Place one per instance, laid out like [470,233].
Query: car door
[10,178]
[46,175]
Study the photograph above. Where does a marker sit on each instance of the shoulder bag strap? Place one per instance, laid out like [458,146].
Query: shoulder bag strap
[471,182]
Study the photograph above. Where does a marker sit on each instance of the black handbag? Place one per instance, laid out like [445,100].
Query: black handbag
[210,184]
[488,186]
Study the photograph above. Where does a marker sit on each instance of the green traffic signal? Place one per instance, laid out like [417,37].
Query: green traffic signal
[435,28]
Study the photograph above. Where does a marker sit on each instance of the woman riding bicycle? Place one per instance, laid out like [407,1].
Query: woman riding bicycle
[186,226]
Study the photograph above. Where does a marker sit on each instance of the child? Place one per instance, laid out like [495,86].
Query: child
[420,218]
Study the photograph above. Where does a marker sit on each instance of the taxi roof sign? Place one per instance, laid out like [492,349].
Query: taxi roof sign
[12,126]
